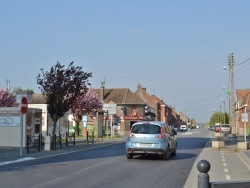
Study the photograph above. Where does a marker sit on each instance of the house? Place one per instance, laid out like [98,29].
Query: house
[242,106]
[129,107]
[162,111]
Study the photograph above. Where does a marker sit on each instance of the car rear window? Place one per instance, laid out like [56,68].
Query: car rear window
[225,126]
[146,129]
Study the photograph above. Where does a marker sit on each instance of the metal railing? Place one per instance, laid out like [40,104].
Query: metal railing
[70,139]
[34,143]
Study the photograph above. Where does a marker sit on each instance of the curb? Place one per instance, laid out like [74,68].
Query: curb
[245,159]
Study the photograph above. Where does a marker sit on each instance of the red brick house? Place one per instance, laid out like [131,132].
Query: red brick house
[129,110]
[242,105]
[163,112]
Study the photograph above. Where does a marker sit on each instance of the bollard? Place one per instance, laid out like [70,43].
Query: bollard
[203,167]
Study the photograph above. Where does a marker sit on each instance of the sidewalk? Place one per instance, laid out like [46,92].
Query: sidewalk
[11,155]
[227,164]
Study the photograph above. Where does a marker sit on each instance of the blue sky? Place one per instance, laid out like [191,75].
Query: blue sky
[175,49]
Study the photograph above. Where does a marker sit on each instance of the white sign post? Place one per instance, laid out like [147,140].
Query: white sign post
[244,118]
[111,108]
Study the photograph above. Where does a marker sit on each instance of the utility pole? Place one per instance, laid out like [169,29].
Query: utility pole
[7,85]
[231,72]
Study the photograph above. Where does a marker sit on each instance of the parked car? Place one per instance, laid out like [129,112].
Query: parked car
[225,128]
[217,128]
[183,128]
[151,137]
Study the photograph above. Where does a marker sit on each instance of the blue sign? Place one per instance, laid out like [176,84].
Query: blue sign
[85,118]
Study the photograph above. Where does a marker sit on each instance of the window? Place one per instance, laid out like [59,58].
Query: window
[146,129]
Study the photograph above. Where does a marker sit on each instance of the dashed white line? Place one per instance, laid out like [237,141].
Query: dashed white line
[226,170]
[228,177]
[224,164]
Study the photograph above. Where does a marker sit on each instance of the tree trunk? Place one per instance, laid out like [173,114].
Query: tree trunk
[77,129]
[53,135]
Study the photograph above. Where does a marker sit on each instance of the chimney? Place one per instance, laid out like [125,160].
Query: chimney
[144,89]
[139,87]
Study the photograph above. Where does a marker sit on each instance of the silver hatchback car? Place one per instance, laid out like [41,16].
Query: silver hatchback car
[225,128]
[151,137]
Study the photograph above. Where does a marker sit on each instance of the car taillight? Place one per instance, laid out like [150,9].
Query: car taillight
[160,135]
[131,135]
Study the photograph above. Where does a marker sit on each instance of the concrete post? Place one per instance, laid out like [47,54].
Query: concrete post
[203,167]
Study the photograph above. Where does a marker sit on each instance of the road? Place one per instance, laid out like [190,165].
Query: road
[108,167]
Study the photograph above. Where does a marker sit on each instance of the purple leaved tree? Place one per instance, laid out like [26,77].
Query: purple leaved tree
[84,105]
[6,98]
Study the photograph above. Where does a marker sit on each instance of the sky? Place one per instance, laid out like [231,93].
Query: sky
[175,49]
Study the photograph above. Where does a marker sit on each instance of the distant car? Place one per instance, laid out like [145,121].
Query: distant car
[217,128]
[151,138]
[183,128]
[225,128]
[173,129]
[211,127]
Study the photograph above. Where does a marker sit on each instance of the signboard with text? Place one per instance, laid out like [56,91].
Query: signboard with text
[111,108]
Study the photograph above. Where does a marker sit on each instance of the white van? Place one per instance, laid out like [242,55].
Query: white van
[183,128]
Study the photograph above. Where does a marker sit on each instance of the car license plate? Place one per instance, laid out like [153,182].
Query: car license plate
[143,145]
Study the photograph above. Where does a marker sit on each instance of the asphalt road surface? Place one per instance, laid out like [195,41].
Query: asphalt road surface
[108,167]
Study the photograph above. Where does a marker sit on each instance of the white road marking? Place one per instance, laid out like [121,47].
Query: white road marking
[228,177]
[224,164]
[226,170]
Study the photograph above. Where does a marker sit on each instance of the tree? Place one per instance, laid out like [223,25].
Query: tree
[218,117]
[85,105]
[62,86]
[19,89]
[6,98]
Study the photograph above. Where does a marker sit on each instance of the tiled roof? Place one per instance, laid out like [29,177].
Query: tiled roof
[38,99]
[157,99]
[118,96]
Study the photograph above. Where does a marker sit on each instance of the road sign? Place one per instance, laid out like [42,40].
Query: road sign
[24,105]
[110,107]
[244,117]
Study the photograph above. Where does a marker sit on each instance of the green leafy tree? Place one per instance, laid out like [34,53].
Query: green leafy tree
[61,87]
[218,117]
[19,89]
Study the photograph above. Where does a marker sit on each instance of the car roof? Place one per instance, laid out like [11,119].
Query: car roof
[150,122]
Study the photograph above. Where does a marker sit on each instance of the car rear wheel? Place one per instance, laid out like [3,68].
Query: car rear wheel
[129,156]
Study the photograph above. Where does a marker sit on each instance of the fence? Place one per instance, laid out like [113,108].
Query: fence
[34,143]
